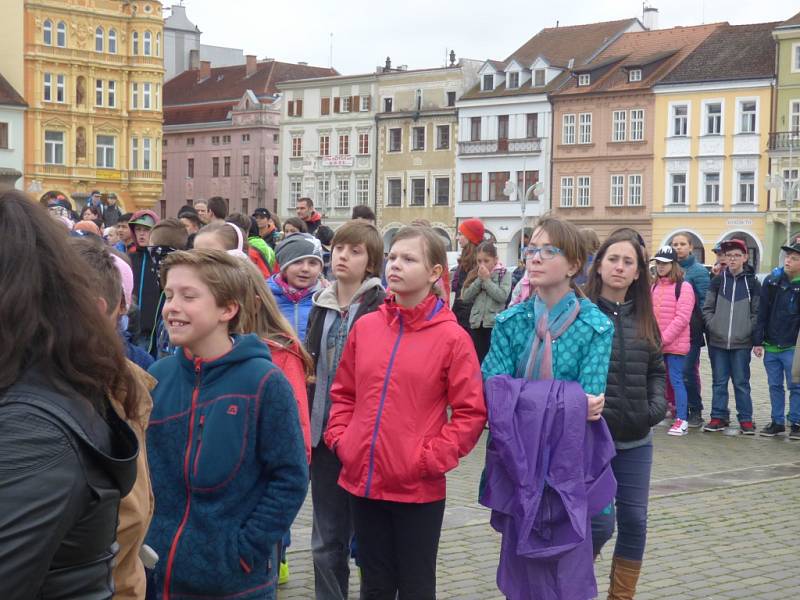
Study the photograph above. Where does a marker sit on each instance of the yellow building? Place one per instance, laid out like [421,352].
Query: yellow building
[93,77]
[712,123]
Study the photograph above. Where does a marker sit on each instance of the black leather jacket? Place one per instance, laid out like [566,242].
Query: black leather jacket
[635,389]
[63,470]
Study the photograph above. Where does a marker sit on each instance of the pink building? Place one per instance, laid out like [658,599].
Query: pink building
[221,134]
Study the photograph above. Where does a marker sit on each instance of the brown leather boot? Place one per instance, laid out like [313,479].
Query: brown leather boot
[624,575]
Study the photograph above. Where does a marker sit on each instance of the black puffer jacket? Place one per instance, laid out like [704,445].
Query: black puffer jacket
[63,470]
[635,389]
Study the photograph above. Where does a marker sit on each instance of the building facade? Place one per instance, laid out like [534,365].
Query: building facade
[604,130]
[93,78]
[711,134]
[12,136]
[417,129]
[327,144]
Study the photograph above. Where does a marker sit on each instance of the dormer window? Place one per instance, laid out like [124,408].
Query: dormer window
[488,83]
[634,75]
[538,78]
[513,80]
[584,79]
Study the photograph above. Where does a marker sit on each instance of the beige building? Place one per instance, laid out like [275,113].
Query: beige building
[416,150]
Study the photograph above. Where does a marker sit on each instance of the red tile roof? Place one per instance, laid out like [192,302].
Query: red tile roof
[8,95]
[200,113]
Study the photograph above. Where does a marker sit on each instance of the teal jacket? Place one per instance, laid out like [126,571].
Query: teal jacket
[581,354]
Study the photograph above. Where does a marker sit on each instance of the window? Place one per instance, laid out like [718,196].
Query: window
[394,193]
[297,146]
[324,145]
[54,147]
[678,185]
[323,192]
[164,170]
[245,138]
[190,168]
[387,105]
[146,156]
[135,42]
[513,80]
[112,94]
[295,192]
[158,48]
[135,100]
[475,129]
[105,152]
[584,79]
[451,98]
[226,139]
[502,128]
[443,137]
[531,177]
[4,135]
[584,191]
[190,141]
[246,165]
[634,190]
[711,185]
[364,101]
[362,190]
[363,146]
[215,140]
[794,115]
[747,187]
[344,144]
[61,34]
[790,177]
[112,41]
[148,41]
[488,82]
[417,138]
[497,183]
[395,139]
[164,142]
[98,39]
[47,33]
[585,128]
[714,118]
[680,119]
[345,104]
[471,187]
[637,125]
[796,58]
[568,129]
[60,93]
[417,192]
[538,77]
[215,166]
[748,117]
[48,87]
[532,125]
[98,93]
[146,96]
[634,75]
[226,166]
[343,193]
[442,191]
[134,153]
[617,190]
[619,119]
[275,166]
[567,192]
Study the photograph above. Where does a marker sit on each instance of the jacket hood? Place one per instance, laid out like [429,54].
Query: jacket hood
[314,218]
[431,311]
[277,290]
[245,347]
[136,215]
[688,261]
[326,298]
[499,267]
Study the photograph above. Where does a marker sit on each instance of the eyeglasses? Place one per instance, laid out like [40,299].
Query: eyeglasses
[547,252]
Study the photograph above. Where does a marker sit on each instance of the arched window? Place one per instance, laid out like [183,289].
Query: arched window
[158,44]
[98,39]
[47,33]
[148,41]
[112,41]
[135,41]
[61,34]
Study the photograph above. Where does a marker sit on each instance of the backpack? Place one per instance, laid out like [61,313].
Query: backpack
[696,324]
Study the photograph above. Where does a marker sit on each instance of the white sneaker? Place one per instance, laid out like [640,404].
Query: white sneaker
[679,427]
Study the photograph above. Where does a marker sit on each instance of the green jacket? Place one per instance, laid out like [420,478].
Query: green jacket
[266,251]
[488,297]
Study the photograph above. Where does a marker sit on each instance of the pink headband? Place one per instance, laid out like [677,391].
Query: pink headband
[238,252]
[126,274]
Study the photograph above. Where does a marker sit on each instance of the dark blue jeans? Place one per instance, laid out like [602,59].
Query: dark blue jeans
[676,364]
[632,470]
[731,365]
[779,368]
[691,379]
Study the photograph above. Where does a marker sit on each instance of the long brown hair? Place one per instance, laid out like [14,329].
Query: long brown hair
[48,311]
[639,290]
[567,238]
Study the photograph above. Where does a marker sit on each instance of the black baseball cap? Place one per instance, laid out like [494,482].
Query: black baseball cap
[262,212]
[793,248]
[666,254]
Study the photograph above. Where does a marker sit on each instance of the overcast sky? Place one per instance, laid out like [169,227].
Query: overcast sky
[418,33]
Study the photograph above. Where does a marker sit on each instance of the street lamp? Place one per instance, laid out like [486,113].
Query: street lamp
[533,192]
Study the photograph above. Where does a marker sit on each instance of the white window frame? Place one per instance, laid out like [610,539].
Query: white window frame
[363,103]
[134,153]
[796,57]
[343,139]
[746,188]
[637,124]
[54,147]
[617,190]
[635,189]
[567,192]
[740,116]
[147,95]
[483,82]
[111,93]
[47,32]
[436,190]
[794,116]
[568,129]
[343,193]
[583,188]
[323,192]
[789,177]
[510,75]
[99,39]
[712,192]
[135,95]
[536,72]
[412,182]
[619,122]
[61,88]
[147,43]
[344,104]
[707,104]
[362,190]
[158,44]
[297,146]
[105,152]
[112,41]
[135,43]
[634,75]
[681,188]
[147,154]
[585,128]
[442,127]
[674,119]
[99,92]
[61,34]
[295,192]
[47,87]
[399,182]
[584,79]
[326,138]
[360,149]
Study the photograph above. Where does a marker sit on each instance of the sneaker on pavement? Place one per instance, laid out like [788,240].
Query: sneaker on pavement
[772,429]
[747,428]
[794,431]
[679,427]
[715,425]
[695,420]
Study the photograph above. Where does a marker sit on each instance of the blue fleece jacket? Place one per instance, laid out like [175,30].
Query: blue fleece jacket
[228,468]
[778,320]
[697,275]
[295,312]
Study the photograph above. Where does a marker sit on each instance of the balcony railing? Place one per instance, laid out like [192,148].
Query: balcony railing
[504,146]
[785,140]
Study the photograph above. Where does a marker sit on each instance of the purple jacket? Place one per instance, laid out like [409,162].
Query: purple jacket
[547,473]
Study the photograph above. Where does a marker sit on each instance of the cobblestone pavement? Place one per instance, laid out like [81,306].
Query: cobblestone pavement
[723,520]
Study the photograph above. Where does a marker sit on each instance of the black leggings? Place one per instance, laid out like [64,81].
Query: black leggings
[397,545]
[482,339]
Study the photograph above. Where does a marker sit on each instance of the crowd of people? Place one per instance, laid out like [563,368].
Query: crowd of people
[169,389]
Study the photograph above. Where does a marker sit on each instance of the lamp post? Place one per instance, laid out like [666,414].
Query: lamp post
[522,195]
[788,190]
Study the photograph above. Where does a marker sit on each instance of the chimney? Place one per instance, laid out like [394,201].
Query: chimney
[194,59]
[388,65]
[650,17]
[205,70]
[252,64]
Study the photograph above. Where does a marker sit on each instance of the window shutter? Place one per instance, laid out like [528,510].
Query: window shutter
[354,107]
[325,107]
[298,108]
[290,109]
[336,104]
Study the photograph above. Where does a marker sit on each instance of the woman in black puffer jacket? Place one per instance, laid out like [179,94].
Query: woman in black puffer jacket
[619,284]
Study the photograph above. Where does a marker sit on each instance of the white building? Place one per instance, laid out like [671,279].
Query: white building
[327,144]
[12,136]
[505,124]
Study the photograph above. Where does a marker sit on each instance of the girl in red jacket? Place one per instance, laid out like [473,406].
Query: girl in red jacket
[402,367]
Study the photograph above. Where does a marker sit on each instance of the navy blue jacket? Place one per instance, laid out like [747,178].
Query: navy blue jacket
[228,468]
[778,311]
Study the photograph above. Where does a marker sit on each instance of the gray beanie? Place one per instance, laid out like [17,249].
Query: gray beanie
[297,247]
